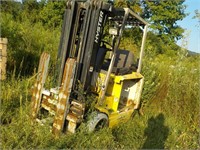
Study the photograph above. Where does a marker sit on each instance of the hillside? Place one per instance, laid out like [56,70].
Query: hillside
[190,53]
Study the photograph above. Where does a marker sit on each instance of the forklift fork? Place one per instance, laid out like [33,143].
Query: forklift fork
[39,85]
[63,97]
[64,109]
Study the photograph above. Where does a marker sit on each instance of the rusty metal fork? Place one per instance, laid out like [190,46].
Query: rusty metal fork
[39,84]
[63,97]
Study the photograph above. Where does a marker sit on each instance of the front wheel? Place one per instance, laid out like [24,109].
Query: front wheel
[98,121]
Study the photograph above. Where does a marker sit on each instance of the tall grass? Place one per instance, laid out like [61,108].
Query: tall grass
[170,117]
[26,42]
[177,96]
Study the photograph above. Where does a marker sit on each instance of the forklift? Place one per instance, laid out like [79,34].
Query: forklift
[91,70]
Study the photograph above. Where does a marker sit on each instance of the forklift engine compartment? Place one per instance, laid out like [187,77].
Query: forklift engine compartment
[89,62]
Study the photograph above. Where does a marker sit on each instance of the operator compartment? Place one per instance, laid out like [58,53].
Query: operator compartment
[124,87]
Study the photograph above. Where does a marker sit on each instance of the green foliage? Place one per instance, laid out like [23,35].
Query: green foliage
[26,42]
[163,16]
[176,94]
[170,96]
[31,28]
[11,7]
[156,45]
[52,14]
[120,3]
[152,79]
[185,75]
[15,94]
[171,89]
[30,10]
[197,16]
[183,98]
[133,4]
[23,134]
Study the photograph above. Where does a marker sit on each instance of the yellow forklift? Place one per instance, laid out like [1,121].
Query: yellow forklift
[90,65]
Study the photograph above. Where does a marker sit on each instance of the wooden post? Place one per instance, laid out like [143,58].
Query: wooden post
[3,57]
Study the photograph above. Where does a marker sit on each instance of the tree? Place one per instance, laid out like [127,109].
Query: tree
[133,4]
[197,16]
[52,13]
[163,16]
[11,7]
[31,9]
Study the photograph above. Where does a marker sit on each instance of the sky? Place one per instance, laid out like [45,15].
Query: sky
[190,26]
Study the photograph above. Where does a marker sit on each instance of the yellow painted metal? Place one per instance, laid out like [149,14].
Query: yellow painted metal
[119,117]
[133,75]
[115,85]
[112,98]
[116,117]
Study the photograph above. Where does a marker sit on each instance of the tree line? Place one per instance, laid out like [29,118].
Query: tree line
[33,26]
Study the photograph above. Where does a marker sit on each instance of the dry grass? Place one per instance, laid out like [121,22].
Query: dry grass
[170,117]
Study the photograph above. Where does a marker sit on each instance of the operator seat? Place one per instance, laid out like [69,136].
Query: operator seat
[124,62]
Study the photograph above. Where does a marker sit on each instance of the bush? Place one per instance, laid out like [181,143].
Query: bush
[26,42]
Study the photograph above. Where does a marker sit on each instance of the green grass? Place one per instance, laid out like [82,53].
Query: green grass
[170,120]
[170,99]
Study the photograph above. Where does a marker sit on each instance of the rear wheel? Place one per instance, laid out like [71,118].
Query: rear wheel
[97,122]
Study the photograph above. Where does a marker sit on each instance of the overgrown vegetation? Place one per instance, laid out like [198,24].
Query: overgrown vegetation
[170,99]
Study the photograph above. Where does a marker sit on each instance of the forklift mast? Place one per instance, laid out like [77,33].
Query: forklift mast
[81,35]
[82,31]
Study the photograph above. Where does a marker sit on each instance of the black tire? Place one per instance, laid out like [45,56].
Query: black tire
[97,122]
